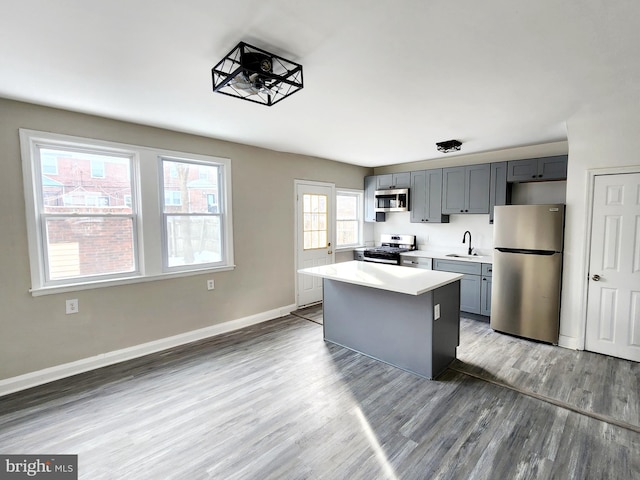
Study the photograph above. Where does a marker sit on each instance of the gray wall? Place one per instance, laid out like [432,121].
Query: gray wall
[35,333]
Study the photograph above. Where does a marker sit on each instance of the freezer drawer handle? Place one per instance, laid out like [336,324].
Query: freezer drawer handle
[596,278]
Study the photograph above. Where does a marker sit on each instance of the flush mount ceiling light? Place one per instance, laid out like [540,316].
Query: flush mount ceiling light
[253,74]
[449,146]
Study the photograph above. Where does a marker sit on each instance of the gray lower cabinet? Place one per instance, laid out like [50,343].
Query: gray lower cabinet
[370,214]
[426,197]
[485,290]
[393,180]
[465,189]
[416,262]
[537,169]
[475,286]
[470,294]
[393,327]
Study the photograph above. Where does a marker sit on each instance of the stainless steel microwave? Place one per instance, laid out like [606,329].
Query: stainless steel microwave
[395,200]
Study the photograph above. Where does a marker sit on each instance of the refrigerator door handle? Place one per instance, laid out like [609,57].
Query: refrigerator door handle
[526,251]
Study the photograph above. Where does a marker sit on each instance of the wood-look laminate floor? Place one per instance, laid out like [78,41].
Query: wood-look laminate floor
[274,401]
[587,381]
[313,313]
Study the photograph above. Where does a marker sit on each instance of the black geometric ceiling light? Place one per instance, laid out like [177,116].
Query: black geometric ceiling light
[256,75]
[449,146]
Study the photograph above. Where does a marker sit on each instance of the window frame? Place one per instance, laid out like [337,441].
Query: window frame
[165,215]
[147,201]
[359,194]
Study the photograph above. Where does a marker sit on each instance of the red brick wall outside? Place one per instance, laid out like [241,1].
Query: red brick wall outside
[105,244]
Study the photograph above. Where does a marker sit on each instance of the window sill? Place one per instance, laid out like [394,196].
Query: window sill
[37,292]
[349,249]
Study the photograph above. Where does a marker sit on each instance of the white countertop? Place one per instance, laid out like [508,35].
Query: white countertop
[411,281]
[443,255]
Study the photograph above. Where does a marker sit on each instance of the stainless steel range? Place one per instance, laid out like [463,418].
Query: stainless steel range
[391,246]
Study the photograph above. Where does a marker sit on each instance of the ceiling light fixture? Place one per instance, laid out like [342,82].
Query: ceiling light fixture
[449,146]
[255,75]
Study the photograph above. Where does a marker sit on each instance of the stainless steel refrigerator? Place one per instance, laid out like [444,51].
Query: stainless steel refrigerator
[527,270]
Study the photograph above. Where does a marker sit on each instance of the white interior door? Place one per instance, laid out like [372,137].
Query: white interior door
[315,220]
[613,308]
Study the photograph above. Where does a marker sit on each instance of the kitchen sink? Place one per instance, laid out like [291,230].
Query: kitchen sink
[455,255]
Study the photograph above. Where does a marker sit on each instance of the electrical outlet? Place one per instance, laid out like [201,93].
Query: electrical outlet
[210,284]
[436,312]
[72,306]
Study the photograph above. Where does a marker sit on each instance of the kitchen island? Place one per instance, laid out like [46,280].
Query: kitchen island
[407,317]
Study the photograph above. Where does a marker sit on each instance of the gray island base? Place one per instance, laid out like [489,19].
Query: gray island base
[389,312]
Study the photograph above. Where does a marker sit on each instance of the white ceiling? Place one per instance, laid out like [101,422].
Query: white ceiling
[384,80]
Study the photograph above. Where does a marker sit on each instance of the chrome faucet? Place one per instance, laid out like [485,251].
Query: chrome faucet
[464,240]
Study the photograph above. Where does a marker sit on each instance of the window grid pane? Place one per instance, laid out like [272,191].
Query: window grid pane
[193,239]
[190,187]
[193,223]
[347,232]
[348,222]
[75,190]
[89,246]
[315,221]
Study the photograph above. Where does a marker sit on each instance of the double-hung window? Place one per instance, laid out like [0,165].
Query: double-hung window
[349,222]
[193,234]
[79,237]
[85,217]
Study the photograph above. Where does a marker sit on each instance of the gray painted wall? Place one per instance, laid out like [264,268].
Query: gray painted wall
[35,333]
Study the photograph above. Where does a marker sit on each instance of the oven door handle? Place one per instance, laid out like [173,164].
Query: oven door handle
[381,260]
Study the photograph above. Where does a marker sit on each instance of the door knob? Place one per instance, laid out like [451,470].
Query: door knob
[595,278]
[329,252]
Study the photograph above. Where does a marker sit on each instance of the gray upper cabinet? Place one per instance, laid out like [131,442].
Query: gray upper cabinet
[537,169]
[370,214]
[426,197]
[393,180]
[498,189]
[466,189]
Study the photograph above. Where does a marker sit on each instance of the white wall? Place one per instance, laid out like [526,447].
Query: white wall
[537,193]
[602,139]
[442,236]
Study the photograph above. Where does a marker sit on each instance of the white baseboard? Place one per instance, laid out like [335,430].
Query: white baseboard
[32,379]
